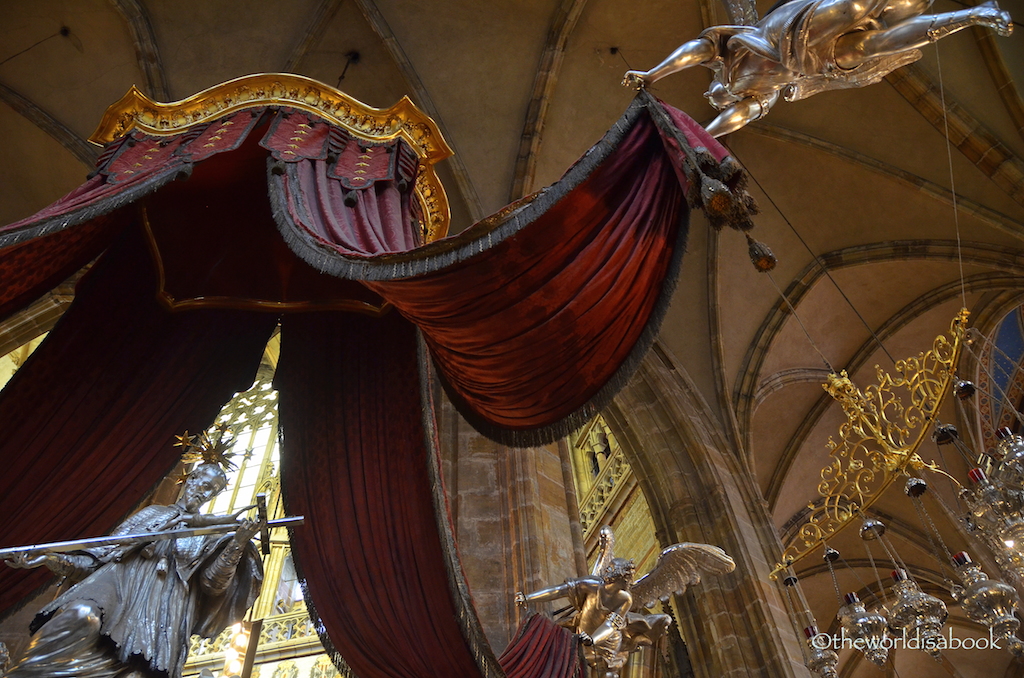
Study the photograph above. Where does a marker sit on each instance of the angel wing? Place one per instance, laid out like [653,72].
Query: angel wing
[679,566]
[605,551]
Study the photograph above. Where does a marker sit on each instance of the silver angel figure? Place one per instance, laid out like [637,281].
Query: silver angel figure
[134,607]
[609,606]
[802,47]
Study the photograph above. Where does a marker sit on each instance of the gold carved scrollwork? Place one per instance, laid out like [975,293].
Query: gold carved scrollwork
[885,425]
[137,111]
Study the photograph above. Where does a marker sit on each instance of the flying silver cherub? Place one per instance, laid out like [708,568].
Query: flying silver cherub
[802,47]
[609,606]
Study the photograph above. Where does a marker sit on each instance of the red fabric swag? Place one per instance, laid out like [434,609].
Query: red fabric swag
[357,467]
[535,317]
[529,331]
[89,419]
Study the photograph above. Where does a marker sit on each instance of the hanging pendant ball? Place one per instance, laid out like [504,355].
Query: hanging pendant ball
[964,389]
[761,256]
[944,434]
[872,529]
[915,487]
[831,555]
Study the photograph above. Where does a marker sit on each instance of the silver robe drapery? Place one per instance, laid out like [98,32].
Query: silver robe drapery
[138,608]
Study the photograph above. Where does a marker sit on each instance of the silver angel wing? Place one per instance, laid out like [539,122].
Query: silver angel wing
[679,566]
[605,551]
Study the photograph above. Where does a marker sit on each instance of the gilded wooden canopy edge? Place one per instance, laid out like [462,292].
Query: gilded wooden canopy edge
[135,110]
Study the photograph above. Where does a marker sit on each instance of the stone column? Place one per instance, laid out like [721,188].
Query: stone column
[699,490]
[511,520]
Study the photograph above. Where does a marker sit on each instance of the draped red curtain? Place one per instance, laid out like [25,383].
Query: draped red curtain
[89,419]
[528,332]
[357,467]
[535,317]
[542,649]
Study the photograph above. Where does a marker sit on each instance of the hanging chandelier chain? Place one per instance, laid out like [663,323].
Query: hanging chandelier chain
[942,456]
[880,596]
[935,539]
[831,571]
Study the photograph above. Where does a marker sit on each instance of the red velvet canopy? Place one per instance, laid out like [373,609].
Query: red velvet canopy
[532,318]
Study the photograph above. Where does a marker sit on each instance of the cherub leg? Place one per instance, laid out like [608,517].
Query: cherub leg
[853,49]
[739,114]
[692,53]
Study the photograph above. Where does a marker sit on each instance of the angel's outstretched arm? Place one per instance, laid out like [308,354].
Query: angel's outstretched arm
[543,595]
[692,53]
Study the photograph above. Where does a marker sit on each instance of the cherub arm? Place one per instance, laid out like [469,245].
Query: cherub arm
[544,595]
[616,619]
[692,53]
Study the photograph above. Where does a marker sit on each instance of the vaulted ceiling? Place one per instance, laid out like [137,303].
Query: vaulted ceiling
[855,187]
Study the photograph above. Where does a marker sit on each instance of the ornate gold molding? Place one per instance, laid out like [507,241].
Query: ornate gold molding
[137,111]
[880,438]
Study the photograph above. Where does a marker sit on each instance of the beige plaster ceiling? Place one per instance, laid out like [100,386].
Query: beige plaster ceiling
[858,179]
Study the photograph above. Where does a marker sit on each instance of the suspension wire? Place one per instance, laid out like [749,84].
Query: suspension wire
[926,519]
[856,574]
[952,487]
[820,263]
[970,428]
[871,557]
[794,614]
[995,347]
[880,596]
[890,551]
[17,54]
[952,183]
[801,322]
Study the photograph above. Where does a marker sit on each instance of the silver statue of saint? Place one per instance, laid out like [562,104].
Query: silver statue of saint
[802,47]
[609,606]
[134,606]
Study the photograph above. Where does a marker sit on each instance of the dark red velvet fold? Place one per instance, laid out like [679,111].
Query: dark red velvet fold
[89,420]
[528,331]
[357,467]
[542,649]
[31,269]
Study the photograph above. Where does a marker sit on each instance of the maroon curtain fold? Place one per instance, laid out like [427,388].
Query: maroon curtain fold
[31,269]
[528,332]
[89,420]
[357,466]
[542,649]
